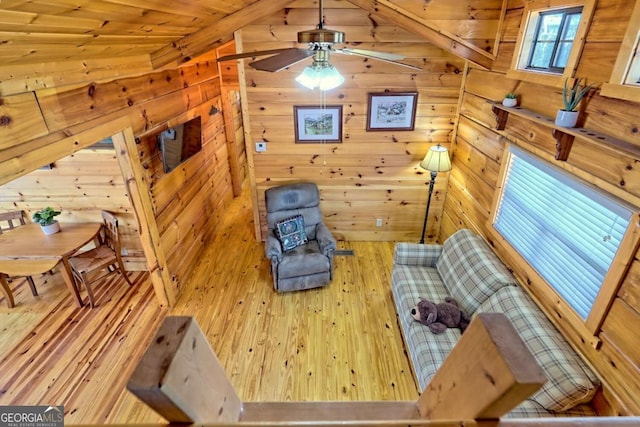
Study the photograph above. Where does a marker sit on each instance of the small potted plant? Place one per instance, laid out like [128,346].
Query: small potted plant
[568,116]
[46,218]
[510,100]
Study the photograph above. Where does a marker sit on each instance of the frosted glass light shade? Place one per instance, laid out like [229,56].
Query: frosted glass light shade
[320,75]
[436,160]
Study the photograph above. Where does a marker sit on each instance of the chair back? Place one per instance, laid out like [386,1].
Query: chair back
[110,236]
[10,220]
[288,200]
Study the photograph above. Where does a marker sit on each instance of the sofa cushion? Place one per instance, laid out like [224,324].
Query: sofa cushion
[426,350]
[569,381]
[470,270]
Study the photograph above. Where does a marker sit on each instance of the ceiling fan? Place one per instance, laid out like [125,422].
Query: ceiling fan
[321,43]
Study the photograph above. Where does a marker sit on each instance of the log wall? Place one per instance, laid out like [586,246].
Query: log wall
[479,149]
[369,175]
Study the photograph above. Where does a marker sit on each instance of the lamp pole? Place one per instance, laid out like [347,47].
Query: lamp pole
[426,212]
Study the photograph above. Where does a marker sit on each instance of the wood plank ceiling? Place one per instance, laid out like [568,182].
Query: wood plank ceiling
[115,38]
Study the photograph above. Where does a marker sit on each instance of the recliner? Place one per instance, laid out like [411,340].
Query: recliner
[309,265]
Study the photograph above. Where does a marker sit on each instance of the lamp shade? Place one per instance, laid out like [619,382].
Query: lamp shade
[436,160]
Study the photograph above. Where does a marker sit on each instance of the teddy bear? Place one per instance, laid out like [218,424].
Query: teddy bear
[439,317]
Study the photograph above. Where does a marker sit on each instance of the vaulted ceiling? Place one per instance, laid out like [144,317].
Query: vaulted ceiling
[45,42]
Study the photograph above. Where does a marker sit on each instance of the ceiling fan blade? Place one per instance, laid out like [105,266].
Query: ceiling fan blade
[371,53]
[380,56]
[254,54]
[282,60]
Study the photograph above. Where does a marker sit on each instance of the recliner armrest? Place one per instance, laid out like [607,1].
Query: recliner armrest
[273,248]
[325,239]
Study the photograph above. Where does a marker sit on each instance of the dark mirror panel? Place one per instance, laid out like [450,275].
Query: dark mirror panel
[179,143]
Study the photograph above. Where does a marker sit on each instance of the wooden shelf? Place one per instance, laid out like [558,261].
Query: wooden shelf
[565,136]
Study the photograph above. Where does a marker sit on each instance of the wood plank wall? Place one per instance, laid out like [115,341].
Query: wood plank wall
[369,175]
[479,149]
[186,202]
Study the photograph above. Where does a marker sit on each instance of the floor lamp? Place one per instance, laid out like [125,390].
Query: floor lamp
[436,160]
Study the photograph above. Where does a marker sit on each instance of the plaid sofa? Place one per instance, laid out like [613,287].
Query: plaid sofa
[466,268]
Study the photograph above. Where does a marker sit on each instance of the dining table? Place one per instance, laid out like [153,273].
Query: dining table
[26,250]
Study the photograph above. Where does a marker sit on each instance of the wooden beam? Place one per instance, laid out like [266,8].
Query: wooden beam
[23,158]
[435,35]
[211,37]
[133,175]
[180,377]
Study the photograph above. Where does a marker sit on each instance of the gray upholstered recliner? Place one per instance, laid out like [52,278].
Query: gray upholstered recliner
[306,266]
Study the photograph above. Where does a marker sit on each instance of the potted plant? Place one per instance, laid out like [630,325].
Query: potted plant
[46,218]
[568,117]
[510,100]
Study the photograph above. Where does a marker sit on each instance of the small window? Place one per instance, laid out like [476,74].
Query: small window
[553,39]
[566,230]
[624,82]
[550,40]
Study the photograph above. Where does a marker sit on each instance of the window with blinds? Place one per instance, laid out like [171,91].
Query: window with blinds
[566,230]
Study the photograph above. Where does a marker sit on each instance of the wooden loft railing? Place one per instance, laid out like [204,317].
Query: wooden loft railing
[488,373]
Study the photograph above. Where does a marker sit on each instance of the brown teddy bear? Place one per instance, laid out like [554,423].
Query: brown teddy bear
[439,317]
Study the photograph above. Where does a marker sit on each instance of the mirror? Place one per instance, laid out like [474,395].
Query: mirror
[178,143]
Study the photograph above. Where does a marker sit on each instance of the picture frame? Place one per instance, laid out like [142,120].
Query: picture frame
[392,111]
[318,123]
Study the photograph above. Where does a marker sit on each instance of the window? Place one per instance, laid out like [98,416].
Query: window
[566,230]
[553,38]
[625,78]
[550,41]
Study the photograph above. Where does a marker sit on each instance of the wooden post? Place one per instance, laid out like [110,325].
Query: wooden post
[180,377]
[488,373]
[133,175]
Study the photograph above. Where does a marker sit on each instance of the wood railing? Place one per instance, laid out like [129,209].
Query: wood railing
[488,373]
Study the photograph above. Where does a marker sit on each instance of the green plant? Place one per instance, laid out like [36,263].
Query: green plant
[511,95]
[45,216]
[573,96]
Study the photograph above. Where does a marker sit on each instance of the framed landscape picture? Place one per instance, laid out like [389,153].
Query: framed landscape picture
[392,111]
[317,124]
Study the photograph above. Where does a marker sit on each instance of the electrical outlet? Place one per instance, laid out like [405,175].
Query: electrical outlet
[261,147]
[378,222]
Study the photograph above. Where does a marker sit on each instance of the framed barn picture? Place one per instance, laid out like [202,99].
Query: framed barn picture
[318,124]
[392,111]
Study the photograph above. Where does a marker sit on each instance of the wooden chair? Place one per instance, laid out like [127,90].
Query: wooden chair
[105,258]
[8,221]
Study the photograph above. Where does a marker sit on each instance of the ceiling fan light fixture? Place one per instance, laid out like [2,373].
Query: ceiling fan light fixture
[320,75]
[329,78]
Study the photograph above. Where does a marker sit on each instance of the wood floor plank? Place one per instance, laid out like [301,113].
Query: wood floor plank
[340,342]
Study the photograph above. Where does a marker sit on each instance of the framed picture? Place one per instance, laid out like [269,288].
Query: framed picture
[317,124]
[392,111]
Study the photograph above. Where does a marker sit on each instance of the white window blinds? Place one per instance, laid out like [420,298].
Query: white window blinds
[566,230]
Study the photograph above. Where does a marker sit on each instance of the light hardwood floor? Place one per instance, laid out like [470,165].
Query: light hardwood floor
[340,342]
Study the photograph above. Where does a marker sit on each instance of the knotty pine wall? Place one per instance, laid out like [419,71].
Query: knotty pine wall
[479,149]
[370,174]
[51,125]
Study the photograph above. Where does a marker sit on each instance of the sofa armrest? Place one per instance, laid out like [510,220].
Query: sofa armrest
[416,254]
[273,248]
[326,241]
